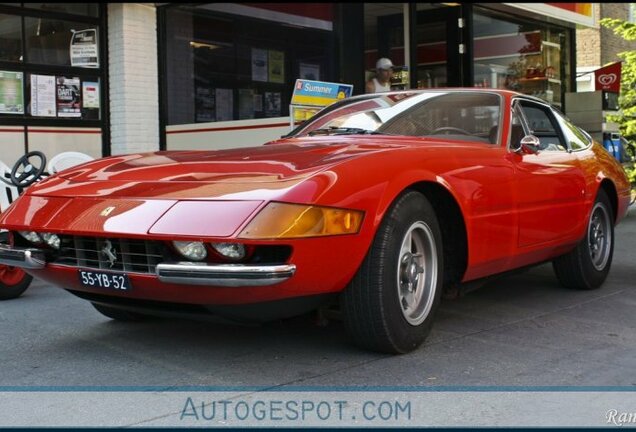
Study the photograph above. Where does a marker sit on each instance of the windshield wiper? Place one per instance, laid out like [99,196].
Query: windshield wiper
[335,130]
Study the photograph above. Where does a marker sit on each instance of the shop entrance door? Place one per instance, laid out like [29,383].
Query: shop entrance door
[422,40]
[437,58]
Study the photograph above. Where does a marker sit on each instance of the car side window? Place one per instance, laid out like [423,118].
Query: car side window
[543,125]
[575,137]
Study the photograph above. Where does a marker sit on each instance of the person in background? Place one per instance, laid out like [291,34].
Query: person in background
[382,80]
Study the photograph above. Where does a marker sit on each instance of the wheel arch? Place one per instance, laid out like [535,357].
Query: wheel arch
[452,224]
[610,189]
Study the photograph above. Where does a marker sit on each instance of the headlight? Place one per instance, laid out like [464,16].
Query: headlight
[191,250]
[52,240]
[280,220]
[234,251]
[31,236]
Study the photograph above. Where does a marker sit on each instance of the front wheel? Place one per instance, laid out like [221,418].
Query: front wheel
[390,303]
[13,282]
[588,265]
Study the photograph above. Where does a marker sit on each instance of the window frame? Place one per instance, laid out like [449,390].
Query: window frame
[27,68]
[517,103]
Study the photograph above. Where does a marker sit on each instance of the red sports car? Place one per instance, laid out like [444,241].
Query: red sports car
[380,201]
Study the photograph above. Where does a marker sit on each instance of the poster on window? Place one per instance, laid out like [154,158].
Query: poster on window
[246,104]
[43,95]
[309,71]
[259,65]
[83,49]
[90,94]
[224,104]
[205,105]
[11,94]
[68,97]
[272,104]
[258,102]
[276,66]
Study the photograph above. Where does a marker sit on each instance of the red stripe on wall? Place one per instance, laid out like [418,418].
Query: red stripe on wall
[228,128]
[68,131]
[497,46]
[12,130]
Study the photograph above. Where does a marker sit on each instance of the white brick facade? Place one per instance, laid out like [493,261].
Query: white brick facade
[133,77]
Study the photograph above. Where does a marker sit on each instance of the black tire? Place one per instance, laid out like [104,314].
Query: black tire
[375,302]
[586,268]
[118,314]
[16,288]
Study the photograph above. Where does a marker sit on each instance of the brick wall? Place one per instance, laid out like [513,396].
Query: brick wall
[588,44]
[134,95]
[596,47]
[611,44]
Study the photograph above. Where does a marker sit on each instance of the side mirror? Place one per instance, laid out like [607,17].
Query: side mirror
[530,144]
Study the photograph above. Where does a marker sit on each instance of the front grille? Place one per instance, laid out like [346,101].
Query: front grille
[134,256]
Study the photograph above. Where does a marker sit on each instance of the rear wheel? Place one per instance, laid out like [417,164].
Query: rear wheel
[13,282]
[390,303]
[588,265]
[118,314]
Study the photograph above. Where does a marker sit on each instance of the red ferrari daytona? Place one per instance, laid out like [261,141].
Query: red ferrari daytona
[380,202]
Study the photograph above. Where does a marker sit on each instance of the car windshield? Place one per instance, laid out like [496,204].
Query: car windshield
[472,115]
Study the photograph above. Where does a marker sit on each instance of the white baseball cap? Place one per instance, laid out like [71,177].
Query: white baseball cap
[383,63]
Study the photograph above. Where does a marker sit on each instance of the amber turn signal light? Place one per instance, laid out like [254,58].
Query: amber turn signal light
[281,220]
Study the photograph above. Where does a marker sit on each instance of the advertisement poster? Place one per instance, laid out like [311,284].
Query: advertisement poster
[246,104]
[310,71]
[259,65]
[319,93]
[224,104]
[272,104]
[43,95]
[90,94]
[68,97]
[205,104]
[276,66]
[11,94]
[83,49]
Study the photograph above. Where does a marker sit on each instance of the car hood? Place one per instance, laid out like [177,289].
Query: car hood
[210,194]
[230,174]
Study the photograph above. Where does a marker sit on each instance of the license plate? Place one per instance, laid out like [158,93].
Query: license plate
[99,279]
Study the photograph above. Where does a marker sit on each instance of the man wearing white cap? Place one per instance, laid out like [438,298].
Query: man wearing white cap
[382,80]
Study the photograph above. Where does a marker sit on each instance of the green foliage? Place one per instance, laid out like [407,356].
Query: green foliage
[627,99]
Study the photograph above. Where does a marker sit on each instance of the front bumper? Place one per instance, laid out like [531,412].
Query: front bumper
[28,258]
[225,275]
[229,275]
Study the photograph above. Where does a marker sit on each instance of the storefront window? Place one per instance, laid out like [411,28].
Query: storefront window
[55,42]
[46,84]
[527,57]
[90,9]
[10,38]
[223,67]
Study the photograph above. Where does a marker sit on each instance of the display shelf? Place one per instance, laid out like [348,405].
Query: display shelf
[539,80]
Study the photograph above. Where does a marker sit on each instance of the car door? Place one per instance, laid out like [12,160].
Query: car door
[550,184]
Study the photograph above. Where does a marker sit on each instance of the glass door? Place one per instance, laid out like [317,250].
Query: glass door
[437,52]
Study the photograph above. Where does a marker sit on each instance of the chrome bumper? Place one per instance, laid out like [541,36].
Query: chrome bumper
[28,258]
[229,275]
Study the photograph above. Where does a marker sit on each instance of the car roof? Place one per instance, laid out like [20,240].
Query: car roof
[501,92]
